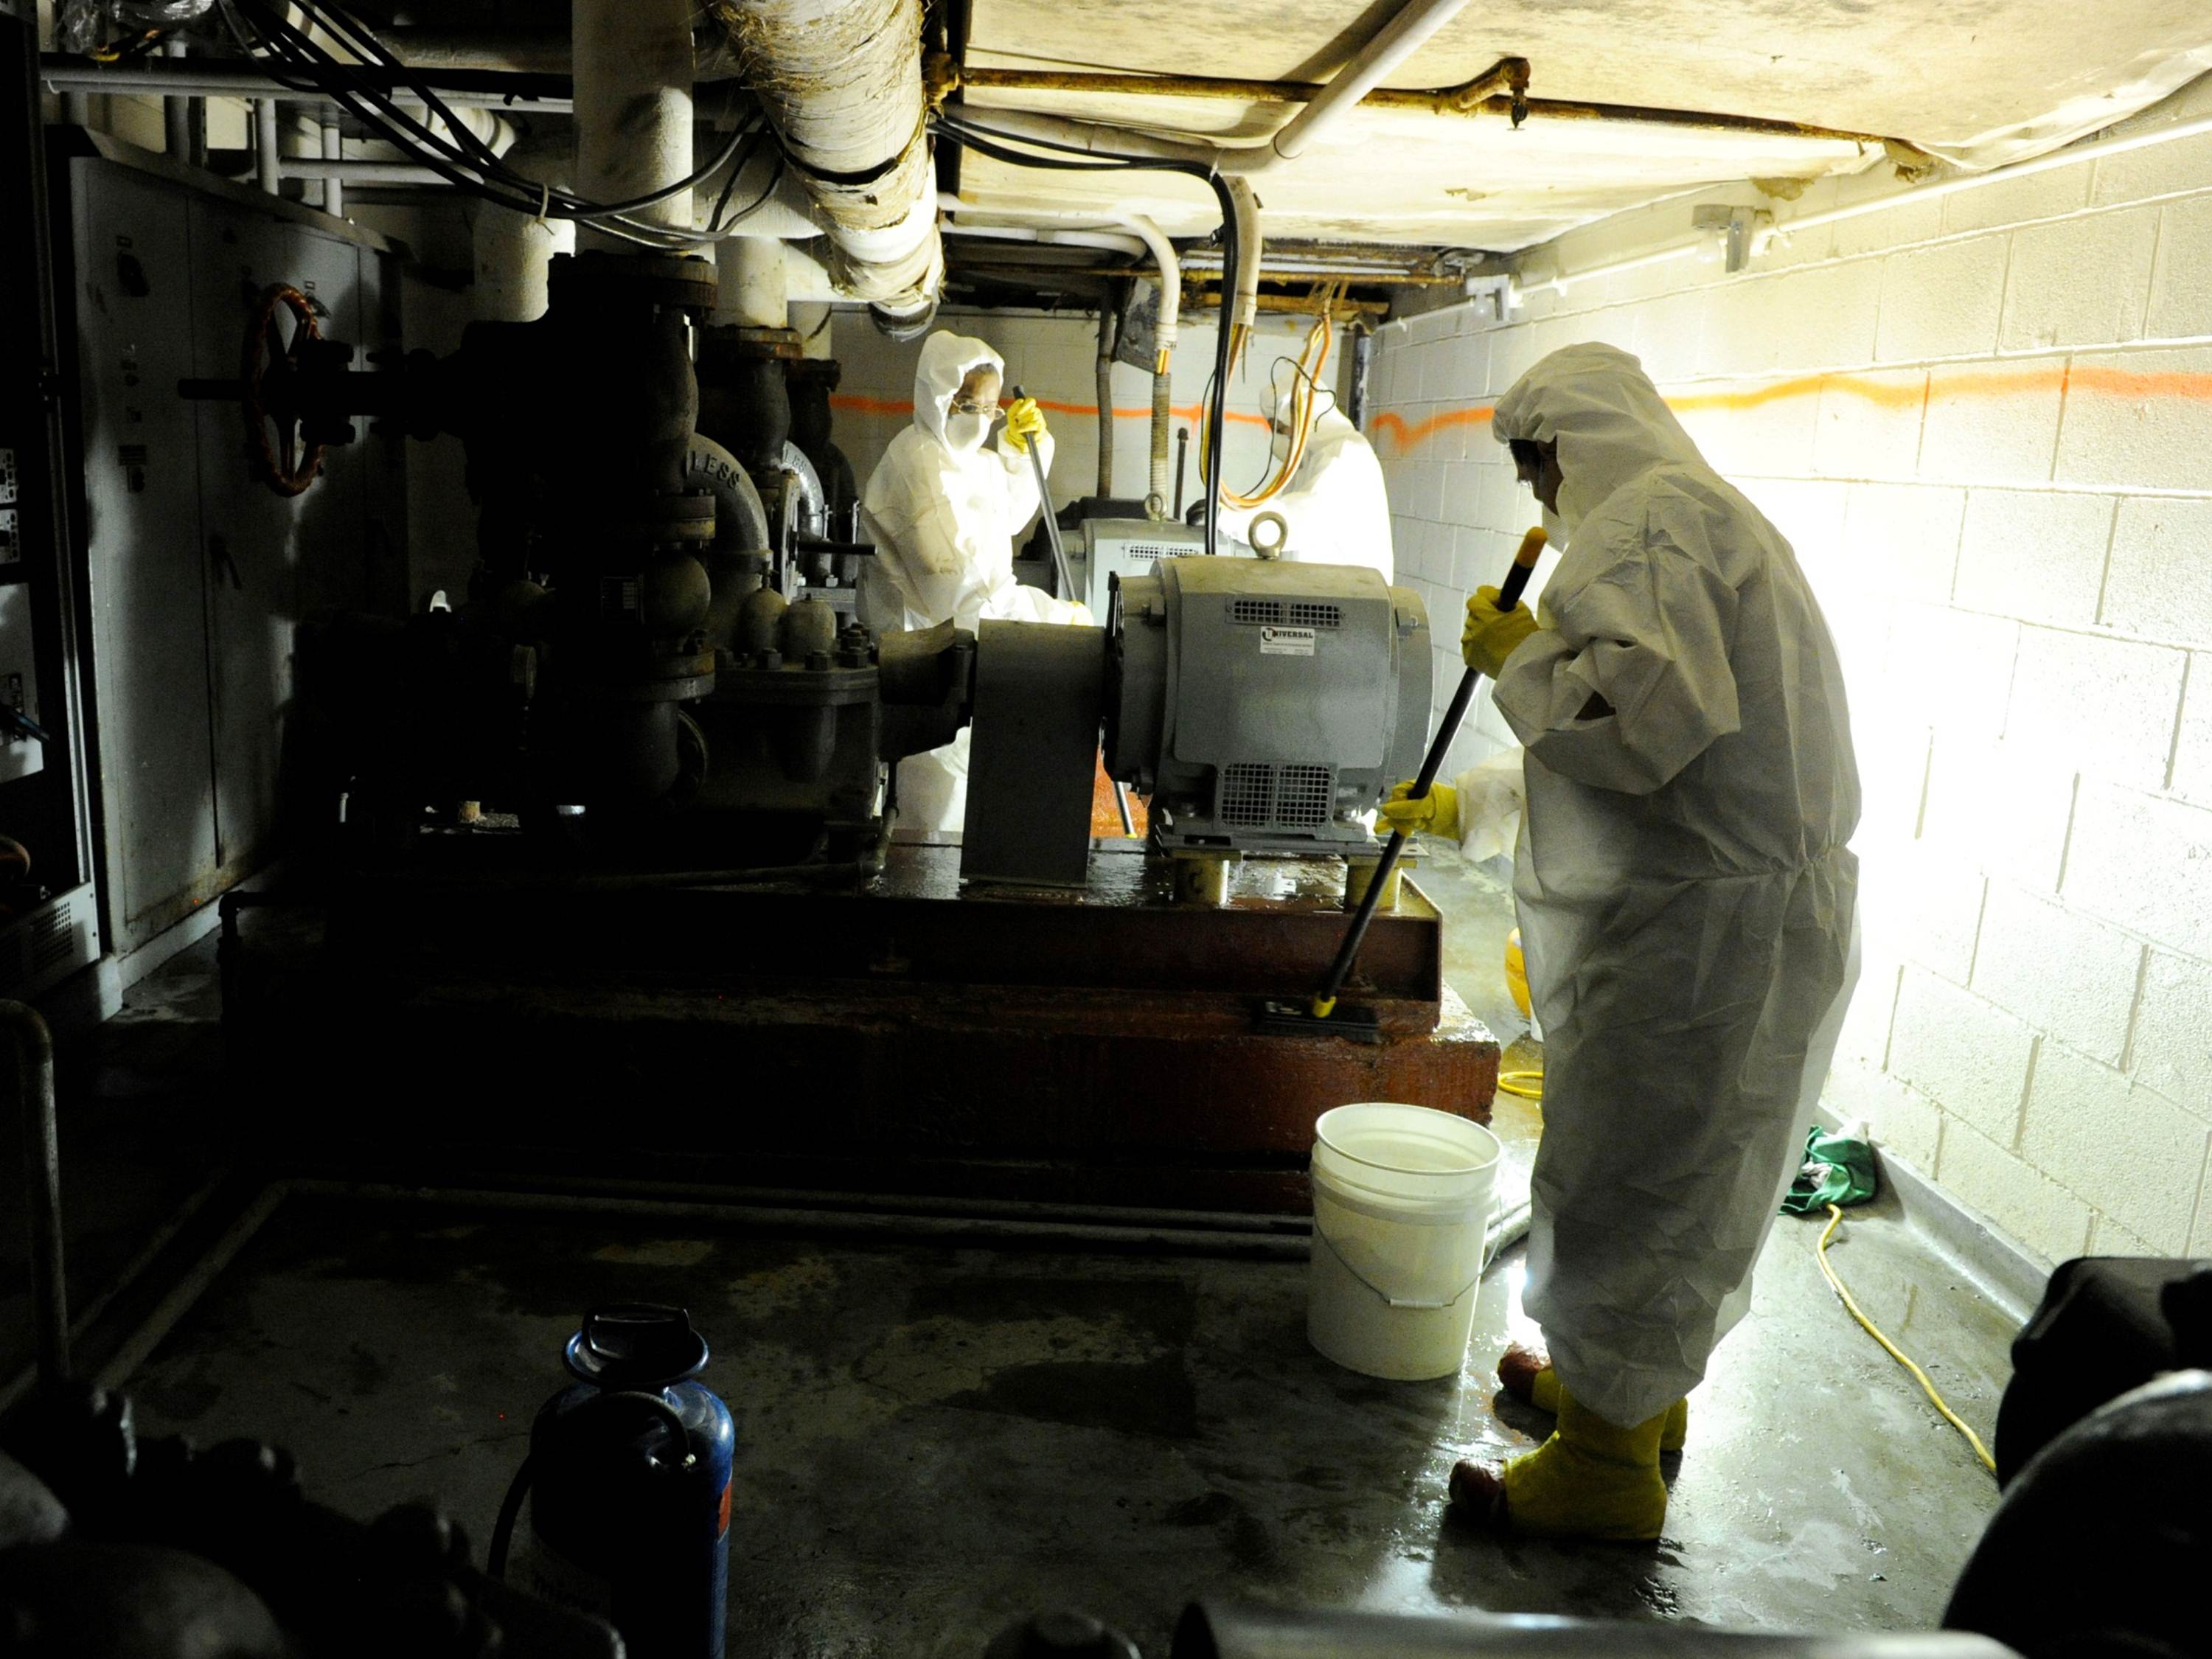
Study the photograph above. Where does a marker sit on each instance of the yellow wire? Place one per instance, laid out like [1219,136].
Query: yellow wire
[1517,1084]
[1303,384]
[1835,1220]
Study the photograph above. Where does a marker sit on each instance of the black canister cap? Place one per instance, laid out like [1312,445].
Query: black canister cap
[636,1345]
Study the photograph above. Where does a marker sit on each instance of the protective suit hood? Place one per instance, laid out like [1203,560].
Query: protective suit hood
[1685,884]
[944,514]
[1337,506]
[1611,426]
[946,360]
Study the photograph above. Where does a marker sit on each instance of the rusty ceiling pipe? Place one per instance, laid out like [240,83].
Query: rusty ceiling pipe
[1501,90]
[1508,76]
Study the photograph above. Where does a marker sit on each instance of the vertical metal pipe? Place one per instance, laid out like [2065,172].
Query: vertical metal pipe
[334,186]
[268,152]
[1363,362]
[1108,328]
[514,252]
[30,1069]
[176,111]
[1156,498]
[750,290]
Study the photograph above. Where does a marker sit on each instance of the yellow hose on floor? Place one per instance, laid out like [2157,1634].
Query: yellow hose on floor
[1835,1220]
[1525,1086]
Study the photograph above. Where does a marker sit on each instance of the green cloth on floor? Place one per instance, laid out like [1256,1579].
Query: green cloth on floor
[1838,1170]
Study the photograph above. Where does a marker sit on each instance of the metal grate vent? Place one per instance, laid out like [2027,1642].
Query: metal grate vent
[1301,797]
[51,939]
[1247,795]
[1256,796]
[1150,550]
[1266,611]
[1314,613]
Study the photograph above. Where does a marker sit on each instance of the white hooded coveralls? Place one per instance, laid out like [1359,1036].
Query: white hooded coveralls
[943,510]
[1686,898]
[1335,506]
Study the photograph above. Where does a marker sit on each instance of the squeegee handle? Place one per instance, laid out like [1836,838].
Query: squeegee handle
[1508,595]
[1051,523]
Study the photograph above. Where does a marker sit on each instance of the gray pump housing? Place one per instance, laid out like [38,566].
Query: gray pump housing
[1264,706]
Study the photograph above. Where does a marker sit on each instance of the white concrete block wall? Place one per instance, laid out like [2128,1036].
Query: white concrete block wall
[1985,420]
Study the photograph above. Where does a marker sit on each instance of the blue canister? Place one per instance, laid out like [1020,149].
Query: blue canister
[629,1484]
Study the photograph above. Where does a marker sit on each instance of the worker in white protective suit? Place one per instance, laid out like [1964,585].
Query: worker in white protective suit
[1335,508]
[943,510]
[1686,904]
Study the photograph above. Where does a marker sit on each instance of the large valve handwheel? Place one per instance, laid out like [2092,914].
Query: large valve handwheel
[271,370]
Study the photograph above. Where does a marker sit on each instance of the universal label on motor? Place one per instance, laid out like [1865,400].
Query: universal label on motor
[1287,641]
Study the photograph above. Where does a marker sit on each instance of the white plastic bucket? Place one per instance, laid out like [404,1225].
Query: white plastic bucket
[1401,1198]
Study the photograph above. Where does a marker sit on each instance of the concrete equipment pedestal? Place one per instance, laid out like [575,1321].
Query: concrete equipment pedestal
[1091,1047]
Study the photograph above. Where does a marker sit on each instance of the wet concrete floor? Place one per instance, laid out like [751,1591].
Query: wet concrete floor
[934,1441]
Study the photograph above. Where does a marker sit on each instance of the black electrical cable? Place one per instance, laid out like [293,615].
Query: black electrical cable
[720,227]
[365,41]
[452,148]
[987,140]
[331,78]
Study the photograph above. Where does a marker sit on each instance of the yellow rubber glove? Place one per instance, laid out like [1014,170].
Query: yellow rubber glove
[1025,421]
[1435,814]
[1491,636]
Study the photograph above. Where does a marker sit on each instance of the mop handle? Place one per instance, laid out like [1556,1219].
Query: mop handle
[1508,595]
[1051,525]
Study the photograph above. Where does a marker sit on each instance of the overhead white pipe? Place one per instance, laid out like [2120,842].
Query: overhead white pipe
[1051,235]
[1405,34]
[633,94]
[841,80]
[1154,241]
[1150,238]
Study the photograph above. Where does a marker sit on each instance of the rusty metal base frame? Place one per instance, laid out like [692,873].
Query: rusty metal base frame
[1092,1047]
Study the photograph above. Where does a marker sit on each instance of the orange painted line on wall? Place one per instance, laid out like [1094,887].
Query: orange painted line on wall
[1408,435]
[853,403]
[1903,389]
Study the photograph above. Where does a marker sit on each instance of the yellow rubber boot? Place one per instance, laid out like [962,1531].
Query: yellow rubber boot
[1529,1377]
[1592,1480]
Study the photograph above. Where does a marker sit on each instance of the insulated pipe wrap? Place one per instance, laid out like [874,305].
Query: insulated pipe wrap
[841,80]
[633,93]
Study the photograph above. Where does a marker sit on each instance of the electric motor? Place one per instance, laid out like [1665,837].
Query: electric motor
[1267,706]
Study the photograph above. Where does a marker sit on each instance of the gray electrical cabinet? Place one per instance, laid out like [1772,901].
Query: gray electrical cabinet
[49,904]
[199,573]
